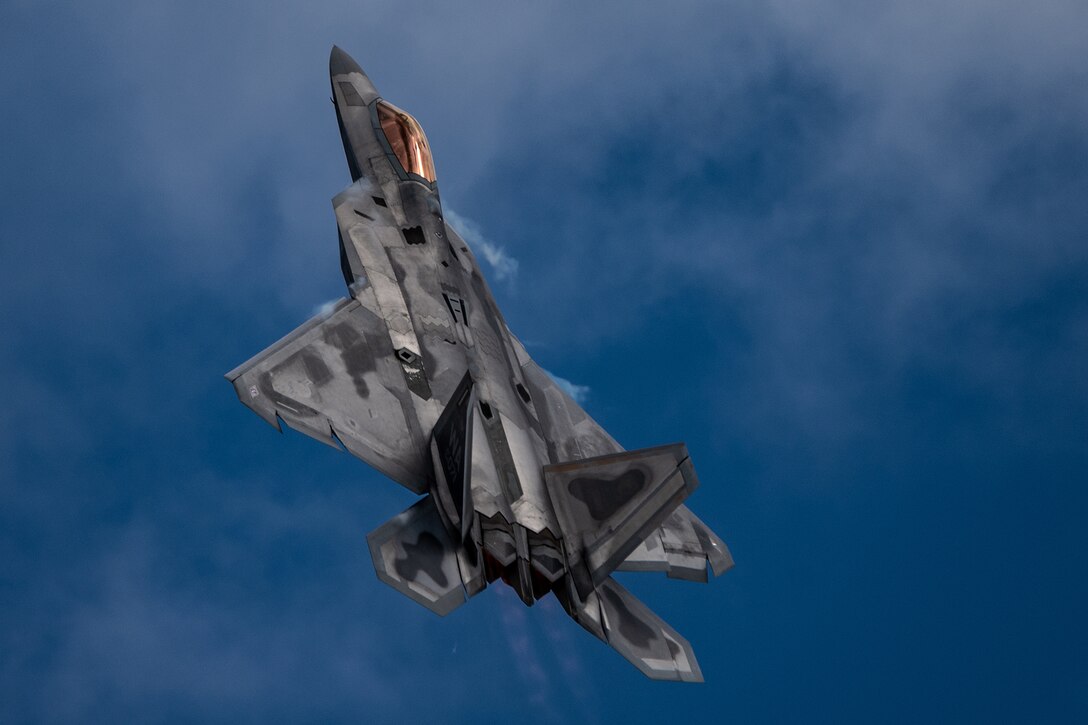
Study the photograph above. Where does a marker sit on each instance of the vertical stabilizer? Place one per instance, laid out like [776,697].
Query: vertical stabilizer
[451,453]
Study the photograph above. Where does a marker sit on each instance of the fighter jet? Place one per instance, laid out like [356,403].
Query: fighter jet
[416,373]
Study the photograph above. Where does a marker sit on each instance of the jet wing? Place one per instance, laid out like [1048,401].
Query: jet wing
[336,378]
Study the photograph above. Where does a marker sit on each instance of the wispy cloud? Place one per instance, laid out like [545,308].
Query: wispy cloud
[325,308]
[502,264]
[533,671]
[578,393]
[229,646]
[561,635]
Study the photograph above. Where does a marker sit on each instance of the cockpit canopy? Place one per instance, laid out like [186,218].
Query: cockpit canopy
[407,140]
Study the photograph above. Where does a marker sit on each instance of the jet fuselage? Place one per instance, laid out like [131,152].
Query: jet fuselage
[417,373]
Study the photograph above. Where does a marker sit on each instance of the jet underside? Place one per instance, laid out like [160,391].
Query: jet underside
[416,373]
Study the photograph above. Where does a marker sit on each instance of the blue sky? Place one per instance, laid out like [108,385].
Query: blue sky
[839,248]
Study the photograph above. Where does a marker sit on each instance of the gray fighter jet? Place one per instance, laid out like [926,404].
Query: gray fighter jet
[416,373]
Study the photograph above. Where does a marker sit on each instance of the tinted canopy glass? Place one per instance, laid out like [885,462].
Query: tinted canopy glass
[407,140]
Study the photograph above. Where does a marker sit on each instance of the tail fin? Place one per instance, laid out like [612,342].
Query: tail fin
[608,505]
[415,554]
[451,453]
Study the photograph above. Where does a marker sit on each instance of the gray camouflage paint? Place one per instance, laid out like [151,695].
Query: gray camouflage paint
[554,503]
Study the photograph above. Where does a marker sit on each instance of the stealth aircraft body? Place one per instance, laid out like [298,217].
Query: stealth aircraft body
[416,373]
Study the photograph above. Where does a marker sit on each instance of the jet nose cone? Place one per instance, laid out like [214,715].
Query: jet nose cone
[341,63]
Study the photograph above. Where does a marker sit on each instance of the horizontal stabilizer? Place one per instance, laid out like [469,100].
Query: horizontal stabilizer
[608,505]
[681,547]
[414,554]
[642,637]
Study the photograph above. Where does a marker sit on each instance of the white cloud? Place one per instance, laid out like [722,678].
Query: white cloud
[325,308]
[578,393]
